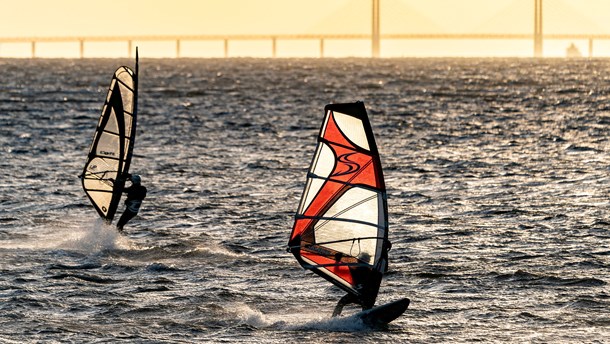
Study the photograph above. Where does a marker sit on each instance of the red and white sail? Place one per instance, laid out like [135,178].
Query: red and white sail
[341,225]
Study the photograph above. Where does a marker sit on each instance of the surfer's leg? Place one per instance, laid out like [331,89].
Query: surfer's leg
[366,303]
[338,309]
[127,215]
[342,302]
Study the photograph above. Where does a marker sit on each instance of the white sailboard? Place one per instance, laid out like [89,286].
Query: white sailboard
[341,225]
[109,157]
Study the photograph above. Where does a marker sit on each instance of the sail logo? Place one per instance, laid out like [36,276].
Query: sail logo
[107,153]
[347,166]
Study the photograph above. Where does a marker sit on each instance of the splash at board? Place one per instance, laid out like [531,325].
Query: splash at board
[109,157]
[341,225]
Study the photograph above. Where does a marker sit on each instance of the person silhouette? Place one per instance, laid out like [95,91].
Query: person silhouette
[366,299]
[135,194]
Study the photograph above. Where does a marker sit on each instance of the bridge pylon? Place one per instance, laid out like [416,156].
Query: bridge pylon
[537,28]
[375,34]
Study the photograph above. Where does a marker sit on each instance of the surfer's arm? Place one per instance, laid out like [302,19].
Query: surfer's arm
[122,179]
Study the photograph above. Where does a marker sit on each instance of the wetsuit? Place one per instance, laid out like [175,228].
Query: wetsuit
[365,302]
[135,194]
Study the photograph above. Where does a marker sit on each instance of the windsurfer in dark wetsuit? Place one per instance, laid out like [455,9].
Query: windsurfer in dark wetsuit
[135,194]
[364,301]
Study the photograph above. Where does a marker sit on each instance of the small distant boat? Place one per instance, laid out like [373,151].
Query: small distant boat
[572,51]
[112,146]
[341,225]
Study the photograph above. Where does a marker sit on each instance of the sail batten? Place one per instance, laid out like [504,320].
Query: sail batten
[341,225]
[323,218]
[313,176]
[307,245]
[112,146]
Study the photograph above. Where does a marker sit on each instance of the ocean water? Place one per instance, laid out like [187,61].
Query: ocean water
[497,176]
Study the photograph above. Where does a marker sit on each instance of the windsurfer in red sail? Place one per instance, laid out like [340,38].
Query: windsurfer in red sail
[135,194]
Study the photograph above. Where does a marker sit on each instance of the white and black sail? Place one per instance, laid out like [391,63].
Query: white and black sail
[103,176]
[341,226]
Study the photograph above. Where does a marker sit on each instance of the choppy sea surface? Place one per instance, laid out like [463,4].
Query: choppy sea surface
[498,190]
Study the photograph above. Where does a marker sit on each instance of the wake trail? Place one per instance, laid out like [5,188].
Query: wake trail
[297,321]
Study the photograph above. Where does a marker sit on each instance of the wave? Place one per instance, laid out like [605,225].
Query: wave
[528,278]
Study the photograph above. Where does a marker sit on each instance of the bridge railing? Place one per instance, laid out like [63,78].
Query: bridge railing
[178,39]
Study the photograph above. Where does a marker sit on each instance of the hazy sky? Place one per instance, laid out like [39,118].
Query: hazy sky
[27,18]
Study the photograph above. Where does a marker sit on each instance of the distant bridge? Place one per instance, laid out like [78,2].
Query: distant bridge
[179,39]
[375,37]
